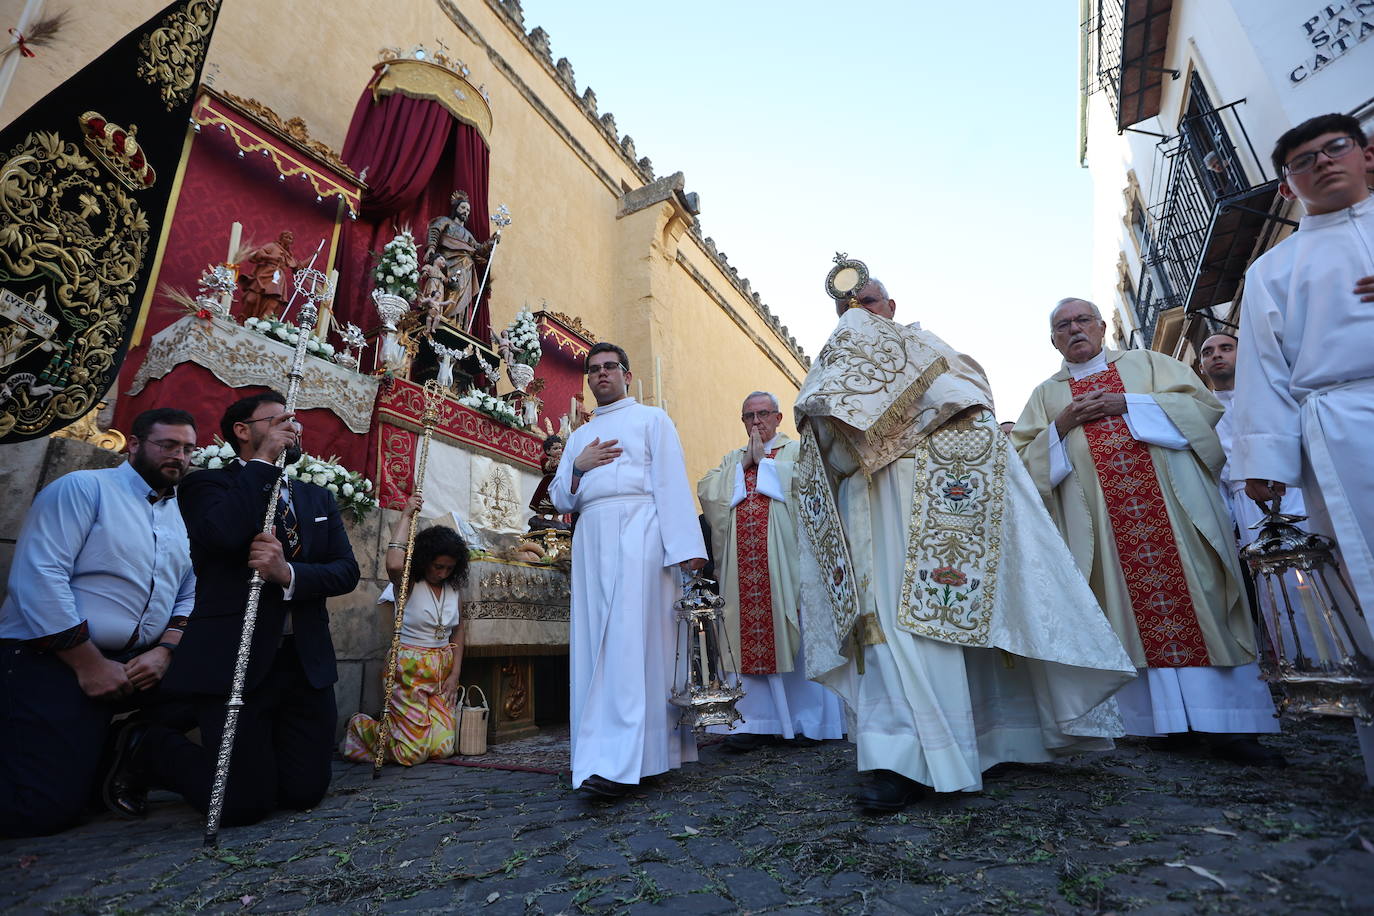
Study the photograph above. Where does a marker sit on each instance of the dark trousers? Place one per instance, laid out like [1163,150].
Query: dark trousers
[283,747]
[51,738]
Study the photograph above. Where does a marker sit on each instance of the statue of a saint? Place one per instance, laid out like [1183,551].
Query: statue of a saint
[448,237]
[267,280]
[433,295]
[546,515]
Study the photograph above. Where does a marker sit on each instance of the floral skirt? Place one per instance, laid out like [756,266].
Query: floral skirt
[423,724]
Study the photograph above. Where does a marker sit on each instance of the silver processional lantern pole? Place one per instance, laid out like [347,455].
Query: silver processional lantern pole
[1320,642]
[703,662]
[309,285]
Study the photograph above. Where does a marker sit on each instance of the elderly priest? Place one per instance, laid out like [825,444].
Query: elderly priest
[1122,448]
[747,500]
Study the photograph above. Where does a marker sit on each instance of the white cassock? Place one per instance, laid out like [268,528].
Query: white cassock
[783,703]
[1304,405]
[1161,701]
[636,522]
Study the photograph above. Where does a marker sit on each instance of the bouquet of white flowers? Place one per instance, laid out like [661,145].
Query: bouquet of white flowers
[523,335]
[289,334]
[351,489]
[496,408]
[398,269]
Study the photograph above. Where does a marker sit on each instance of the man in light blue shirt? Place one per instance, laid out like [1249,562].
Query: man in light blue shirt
[99,591]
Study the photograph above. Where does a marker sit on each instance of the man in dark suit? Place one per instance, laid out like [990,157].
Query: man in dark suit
[285,734]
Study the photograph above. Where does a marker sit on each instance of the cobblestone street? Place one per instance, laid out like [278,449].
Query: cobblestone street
[1134,830]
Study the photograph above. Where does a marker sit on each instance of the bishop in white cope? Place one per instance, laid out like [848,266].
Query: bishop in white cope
[623,473]
[748,504]
[937,597]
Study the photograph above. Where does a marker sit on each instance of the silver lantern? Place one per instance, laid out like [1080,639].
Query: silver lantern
[704,661]
[1319,640]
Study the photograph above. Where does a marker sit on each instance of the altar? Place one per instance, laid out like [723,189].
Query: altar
[402,358]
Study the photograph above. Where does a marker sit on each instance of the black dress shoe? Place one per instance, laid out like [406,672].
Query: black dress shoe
[743,744]
[888,791]
[1247,751]
[603,787]
[125,788]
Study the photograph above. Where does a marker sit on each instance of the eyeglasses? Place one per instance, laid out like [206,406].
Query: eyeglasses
[605,367]
[1082,321]
[753,415]
[173,446]
[1338,148]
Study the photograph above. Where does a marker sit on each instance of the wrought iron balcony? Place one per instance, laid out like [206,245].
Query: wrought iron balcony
[1126,44]
[1208,222]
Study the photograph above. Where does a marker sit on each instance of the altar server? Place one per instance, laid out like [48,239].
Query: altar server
[624,474]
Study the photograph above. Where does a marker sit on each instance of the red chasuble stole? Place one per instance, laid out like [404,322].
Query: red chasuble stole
[758,653]
[1150,563]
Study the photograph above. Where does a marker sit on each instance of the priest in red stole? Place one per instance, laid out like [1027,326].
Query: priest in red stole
[1122,448]
[749,507]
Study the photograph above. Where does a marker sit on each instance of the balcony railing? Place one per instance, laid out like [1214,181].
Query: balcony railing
[1208,219]
[1127,46]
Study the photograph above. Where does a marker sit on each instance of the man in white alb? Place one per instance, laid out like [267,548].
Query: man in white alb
[1304,405]
[624,474]
[747,501]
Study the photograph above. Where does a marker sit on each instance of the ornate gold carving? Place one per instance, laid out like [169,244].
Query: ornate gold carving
[421,79]
[173,51]
[116,147]
[250,142]
[87,429]
[239,358]
[572,323]
[950,581]
[820,520]
[293,129]
[515,689]
[60,220]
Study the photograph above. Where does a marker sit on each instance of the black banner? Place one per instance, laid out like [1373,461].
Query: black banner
[85,177]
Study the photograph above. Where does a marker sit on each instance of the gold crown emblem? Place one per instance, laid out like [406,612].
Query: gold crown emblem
[117,148]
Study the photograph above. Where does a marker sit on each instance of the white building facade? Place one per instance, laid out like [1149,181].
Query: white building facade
[1181,103]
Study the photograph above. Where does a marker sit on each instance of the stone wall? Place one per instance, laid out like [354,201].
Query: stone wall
[26,468]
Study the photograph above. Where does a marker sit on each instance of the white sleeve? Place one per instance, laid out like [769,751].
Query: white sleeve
[1148,422]
[768,483]
[1059,457]
[737,495]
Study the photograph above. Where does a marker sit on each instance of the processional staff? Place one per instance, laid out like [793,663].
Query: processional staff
[501,219]
[433,395]
[307,284]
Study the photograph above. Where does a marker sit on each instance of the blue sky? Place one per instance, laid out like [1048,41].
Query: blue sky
[936,143]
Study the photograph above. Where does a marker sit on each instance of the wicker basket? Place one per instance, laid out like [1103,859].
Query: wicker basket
[472,723]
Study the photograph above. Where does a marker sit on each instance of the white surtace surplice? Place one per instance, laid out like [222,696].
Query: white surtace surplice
[636,522]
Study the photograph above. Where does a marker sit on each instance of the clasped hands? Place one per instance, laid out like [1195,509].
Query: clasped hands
[1087,407]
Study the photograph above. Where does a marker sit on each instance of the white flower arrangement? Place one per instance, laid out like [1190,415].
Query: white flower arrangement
[290,335]
[398,269]
[351,490]
[523,335]
[493,407]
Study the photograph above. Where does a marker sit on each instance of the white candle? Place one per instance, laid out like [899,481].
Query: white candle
[1315,620]
[235,236]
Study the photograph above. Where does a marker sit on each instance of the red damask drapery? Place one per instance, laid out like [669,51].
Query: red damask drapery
[416,153]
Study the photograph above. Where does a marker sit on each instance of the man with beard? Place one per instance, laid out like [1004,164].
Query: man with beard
[285,737]
[99,590]
[624,473]
[1122,448]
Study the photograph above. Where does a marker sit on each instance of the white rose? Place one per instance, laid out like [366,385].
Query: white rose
[319,480]
[293,338]
[332,487]
[214,463]
[280,332]
[292,472]
[250,322]
[348,489]
[367,486]
[329,349]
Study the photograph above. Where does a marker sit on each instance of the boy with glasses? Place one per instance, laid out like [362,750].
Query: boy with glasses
[99,592]
[1304,404]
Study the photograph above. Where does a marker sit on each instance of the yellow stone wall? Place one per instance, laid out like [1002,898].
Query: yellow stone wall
[639,280]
